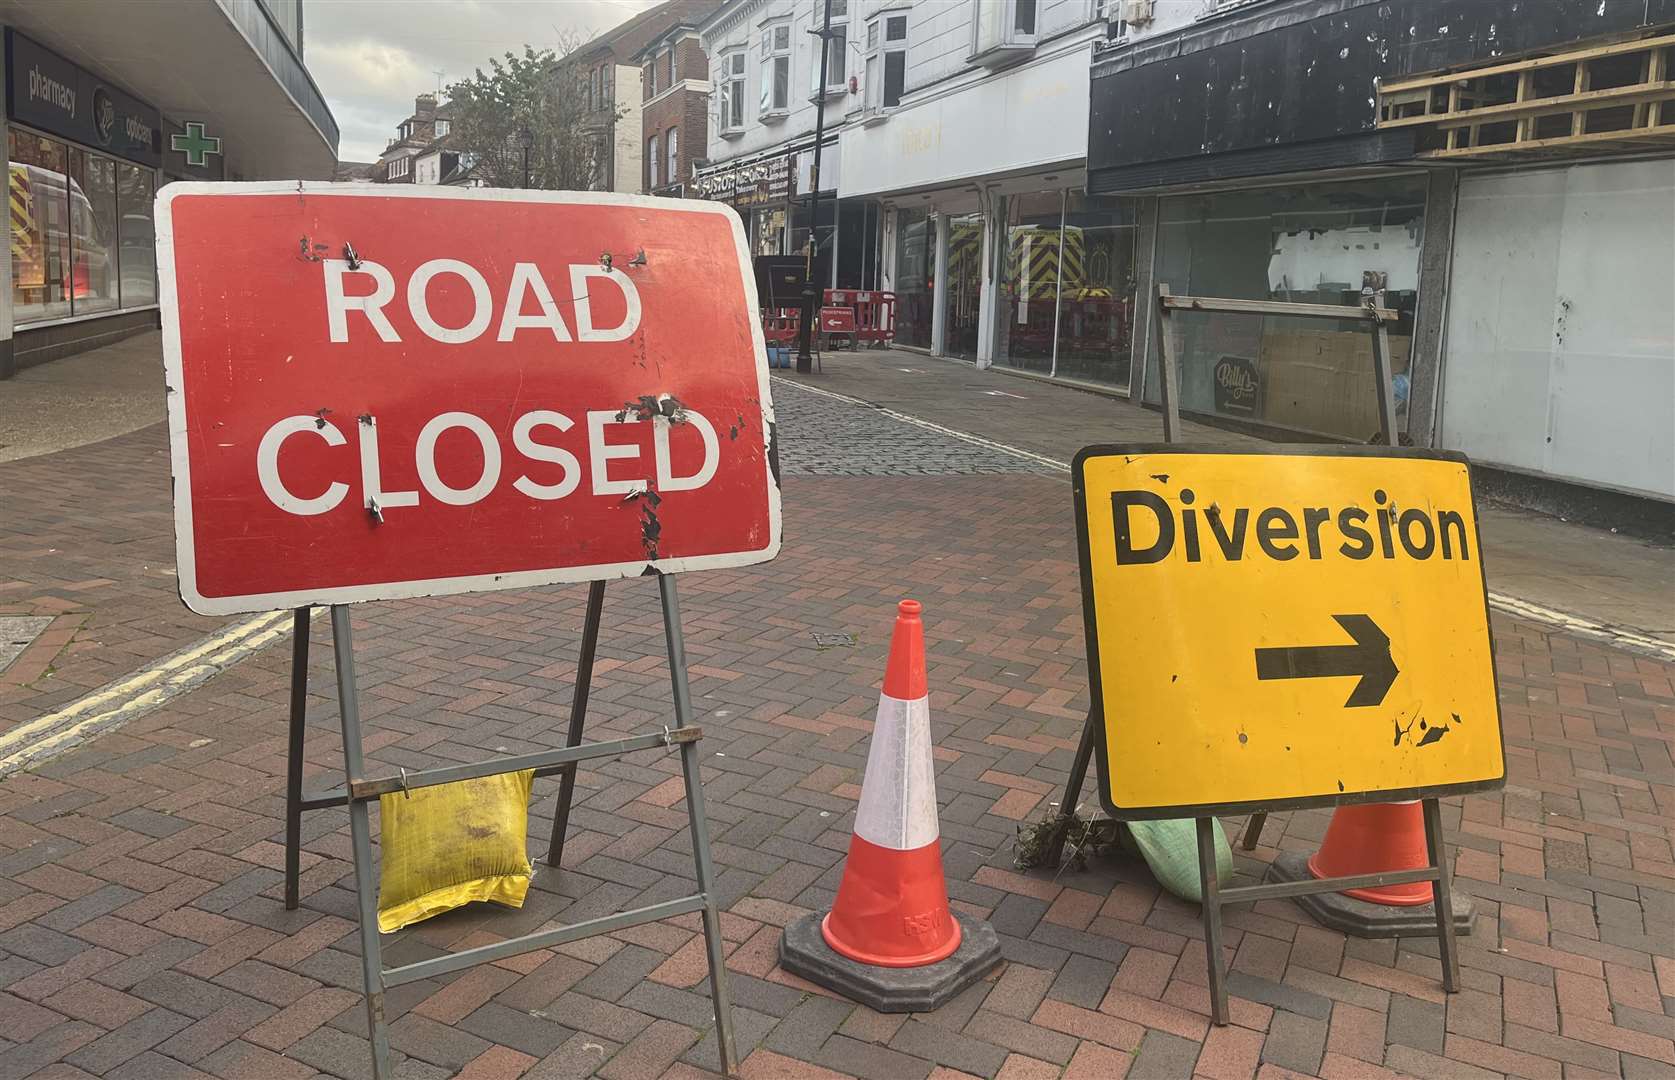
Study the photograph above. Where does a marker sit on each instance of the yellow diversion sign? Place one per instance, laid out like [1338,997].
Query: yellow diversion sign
[1288,628]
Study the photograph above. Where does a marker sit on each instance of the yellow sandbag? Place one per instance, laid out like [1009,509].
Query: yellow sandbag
[447,845]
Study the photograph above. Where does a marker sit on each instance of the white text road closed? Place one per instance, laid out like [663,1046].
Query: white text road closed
[384,393]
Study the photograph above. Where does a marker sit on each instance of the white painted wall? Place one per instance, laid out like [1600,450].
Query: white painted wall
[939,42]
[427,168]
[1034,114]
[1167,16]
[630,150]
[1560,348]
[739,24]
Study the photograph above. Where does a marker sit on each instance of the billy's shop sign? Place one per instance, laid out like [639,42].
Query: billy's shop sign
[48,92]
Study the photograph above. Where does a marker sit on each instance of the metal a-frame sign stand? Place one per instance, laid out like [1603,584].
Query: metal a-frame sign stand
[1215,897]
[361,789]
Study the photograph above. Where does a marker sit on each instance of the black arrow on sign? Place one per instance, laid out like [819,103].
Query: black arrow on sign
[1369,658]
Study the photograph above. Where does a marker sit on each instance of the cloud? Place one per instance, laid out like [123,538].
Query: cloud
[372,57]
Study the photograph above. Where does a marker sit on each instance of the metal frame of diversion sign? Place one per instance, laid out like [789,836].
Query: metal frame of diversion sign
[361,789]
[1215,898]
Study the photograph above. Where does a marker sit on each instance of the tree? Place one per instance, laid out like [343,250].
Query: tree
[535,92]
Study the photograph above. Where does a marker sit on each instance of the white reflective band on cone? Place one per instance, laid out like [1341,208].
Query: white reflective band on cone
[898,796]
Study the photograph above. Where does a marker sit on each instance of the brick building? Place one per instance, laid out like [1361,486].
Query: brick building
[674,121]
[607,74]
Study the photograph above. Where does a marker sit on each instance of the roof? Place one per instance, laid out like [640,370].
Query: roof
[675,30]
[624,41]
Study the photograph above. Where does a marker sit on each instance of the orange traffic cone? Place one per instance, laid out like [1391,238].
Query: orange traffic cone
[1372,838]
[892,908]
[890,940]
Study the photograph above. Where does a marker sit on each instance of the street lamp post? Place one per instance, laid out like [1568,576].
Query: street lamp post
[526,139]
[805,328]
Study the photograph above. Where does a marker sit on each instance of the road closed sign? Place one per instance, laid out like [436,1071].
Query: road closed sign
[1288,628]
[380,392]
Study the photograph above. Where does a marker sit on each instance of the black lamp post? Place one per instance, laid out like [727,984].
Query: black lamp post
[526,139]
[805,328]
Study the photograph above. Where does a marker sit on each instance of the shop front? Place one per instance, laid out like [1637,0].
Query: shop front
[82,175]
[1067,287]
[761,191]
[1338,243]
[1435,158]
[993,247]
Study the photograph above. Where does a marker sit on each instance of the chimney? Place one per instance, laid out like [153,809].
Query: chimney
[424,107]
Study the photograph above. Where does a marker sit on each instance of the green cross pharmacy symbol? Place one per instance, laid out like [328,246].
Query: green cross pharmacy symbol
[195,144]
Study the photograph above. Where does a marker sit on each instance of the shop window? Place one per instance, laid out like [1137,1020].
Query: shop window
[670,143]
[82,237]
[40,202]
[1037,249]
[886,73]
[962,291]
[93,280]
[731,86]
[651,162]
[914,282]
[1002,26]
[135,188]
[1316,243]
[776,71]
[1097,304]
[837,50]
[770,230]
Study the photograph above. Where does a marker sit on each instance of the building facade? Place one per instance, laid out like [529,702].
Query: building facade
[765,61]
[1504,180]
[674,122]
[105,102]
[970,132]
[606,73]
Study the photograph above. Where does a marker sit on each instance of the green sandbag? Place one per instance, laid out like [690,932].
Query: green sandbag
[1170,848]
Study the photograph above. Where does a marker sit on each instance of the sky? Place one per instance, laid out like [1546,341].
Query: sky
[372,57]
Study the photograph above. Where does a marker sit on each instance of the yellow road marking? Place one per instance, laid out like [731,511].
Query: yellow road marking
[141,692]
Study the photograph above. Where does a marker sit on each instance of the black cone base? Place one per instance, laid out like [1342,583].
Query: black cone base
[1360,918]
[803,951]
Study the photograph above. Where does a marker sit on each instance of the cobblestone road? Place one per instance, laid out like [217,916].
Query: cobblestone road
[142,935]
[823,435]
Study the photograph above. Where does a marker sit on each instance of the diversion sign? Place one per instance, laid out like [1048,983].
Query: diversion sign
[1288,628]
[380,392]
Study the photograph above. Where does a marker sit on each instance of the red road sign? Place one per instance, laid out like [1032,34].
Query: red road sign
[837,320]
[389,392]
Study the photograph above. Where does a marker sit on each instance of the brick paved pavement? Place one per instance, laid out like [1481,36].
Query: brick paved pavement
[88,539]
[141,934]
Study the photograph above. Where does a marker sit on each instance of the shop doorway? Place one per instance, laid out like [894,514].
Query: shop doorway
[962,292]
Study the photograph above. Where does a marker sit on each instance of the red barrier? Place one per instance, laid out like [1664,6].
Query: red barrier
[875,313]
[780,325]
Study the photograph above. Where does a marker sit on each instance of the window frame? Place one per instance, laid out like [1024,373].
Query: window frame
[732,87]
[879,47]
[1009,37]
[837,58]
[651,162]
[771,55]
[671,154]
